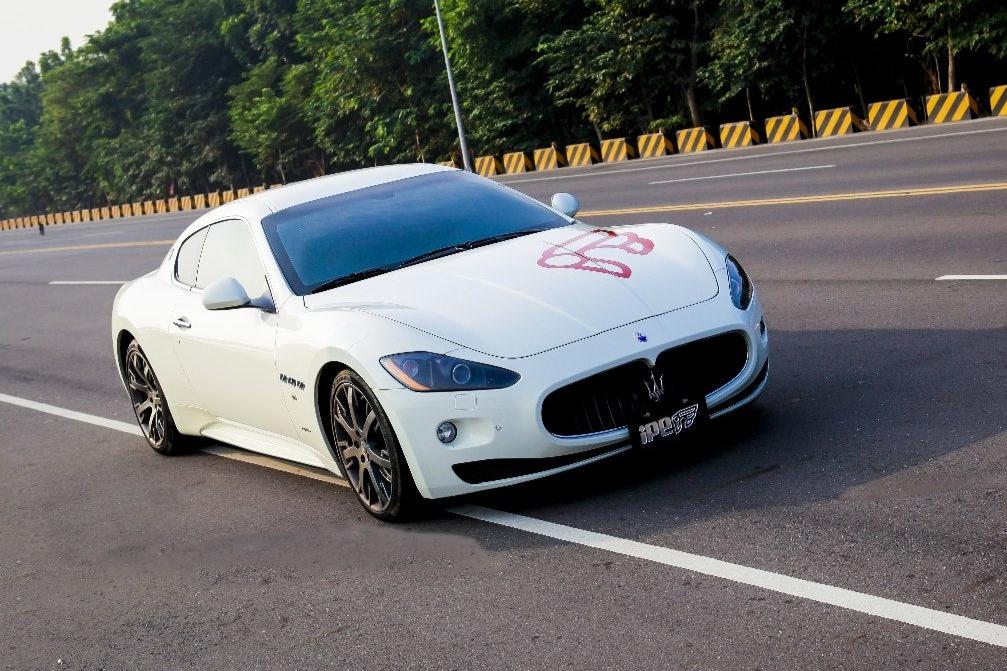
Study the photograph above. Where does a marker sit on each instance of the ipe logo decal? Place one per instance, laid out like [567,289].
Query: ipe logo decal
[596,251]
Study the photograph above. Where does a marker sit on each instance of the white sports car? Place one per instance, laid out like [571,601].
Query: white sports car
[425,333]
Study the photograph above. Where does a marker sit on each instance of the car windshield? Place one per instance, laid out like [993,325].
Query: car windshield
[350,236]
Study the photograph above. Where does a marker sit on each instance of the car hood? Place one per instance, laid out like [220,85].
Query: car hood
[534,293]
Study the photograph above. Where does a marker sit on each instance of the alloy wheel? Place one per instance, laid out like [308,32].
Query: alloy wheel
[145,393]
[362,447]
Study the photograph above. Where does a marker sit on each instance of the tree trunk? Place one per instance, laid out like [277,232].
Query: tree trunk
[859,87]
[807,87]
[690,87]
[597,131]
[690,99]
[951,65]
[748,99]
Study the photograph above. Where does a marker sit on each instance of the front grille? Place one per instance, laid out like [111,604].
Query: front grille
[606,400]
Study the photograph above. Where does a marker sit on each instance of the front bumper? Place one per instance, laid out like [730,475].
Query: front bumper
[501,438]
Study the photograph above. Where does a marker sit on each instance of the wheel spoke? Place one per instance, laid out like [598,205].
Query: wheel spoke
[379,459]
[368,424]
[378,486]
[351,432]
[150,424]
[143,407]
[133,384]
[157,428]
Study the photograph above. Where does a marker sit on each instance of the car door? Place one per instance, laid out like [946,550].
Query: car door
[229,355]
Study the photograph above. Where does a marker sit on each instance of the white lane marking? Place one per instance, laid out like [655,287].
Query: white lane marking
[72,414]
[971,277]
[599,170]
[889,609]
[745,174]
[69,282]
[218,450]
[927,618]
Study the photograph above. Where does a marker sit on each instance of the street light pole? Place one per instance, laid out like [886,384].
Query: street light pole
[454,92]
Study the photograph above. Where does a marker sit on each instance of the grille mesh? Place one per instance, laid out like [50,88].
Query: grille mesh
[606,400]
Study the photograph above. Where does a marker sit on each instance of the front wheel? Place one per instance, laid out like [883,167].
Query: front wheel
[368,450]
[149,404]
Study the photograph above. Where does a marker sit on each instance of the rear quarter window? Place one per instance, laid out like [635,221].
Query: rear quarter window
[187,261]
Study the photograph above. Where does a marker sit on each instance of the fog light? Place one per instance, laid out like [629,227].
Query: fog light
[446,432]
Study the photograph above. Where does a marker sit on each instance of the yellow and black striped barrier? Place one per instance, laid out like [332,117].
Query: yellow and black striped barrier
[738,134]
[838,121]
[450,164]
[694,139]
[998,100]
[516,162]
[785,128]
[617,149]
[487,166]
[955,106]
[549,158]
[653,145]
[891,114]
[582,154]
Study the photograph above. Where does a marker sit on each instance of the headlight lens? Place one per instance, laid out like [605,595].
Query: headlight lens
[425,371]
[739,284]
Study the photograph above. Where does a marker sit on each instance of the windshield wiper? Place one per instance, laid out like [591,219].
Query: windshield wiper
[352,277]
[381,270]
[426,256]
[500,238]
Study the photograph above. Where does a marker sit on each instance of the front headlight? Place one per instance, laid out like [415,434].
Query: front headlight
[425,371]
[739,284]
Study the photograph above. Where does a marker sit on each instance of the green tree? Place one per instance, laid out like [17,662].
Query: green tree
[377,94]
[630,63]
[943,28]
[267,107]
[501,81]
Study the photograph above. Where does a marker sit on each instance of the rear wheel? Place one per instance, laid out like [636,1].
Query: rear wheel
[149,404]
[368,450]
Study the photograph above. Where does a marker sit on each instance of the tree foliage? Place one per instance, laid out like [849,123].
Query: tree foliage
[189,96]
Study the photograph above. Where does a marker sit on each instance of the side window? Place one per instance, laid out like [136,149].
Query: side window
[230,252]
[188,257]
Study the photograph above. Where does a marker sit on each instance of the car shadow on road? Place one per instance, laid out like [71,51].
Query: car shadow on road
[843,409]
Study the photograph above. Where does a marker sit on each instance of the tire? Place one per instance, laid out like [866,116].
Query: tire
[149,404]
[368,451]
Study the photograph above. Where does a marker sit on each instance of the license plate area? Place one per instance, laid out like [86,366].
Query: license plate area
[668,413]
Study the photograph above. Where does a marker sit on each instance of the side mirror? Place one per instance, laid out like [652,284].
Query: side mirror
[566,203]
[225,294]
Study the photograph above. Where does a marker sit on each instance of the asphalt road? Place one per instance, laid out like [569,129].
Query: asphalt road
[876,461]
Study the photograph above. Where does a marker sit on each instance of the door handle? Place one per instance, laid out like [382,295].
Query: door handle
[182,323]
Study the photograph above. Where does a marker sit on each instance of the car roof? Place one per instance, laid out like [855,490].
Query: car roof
[264,203]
